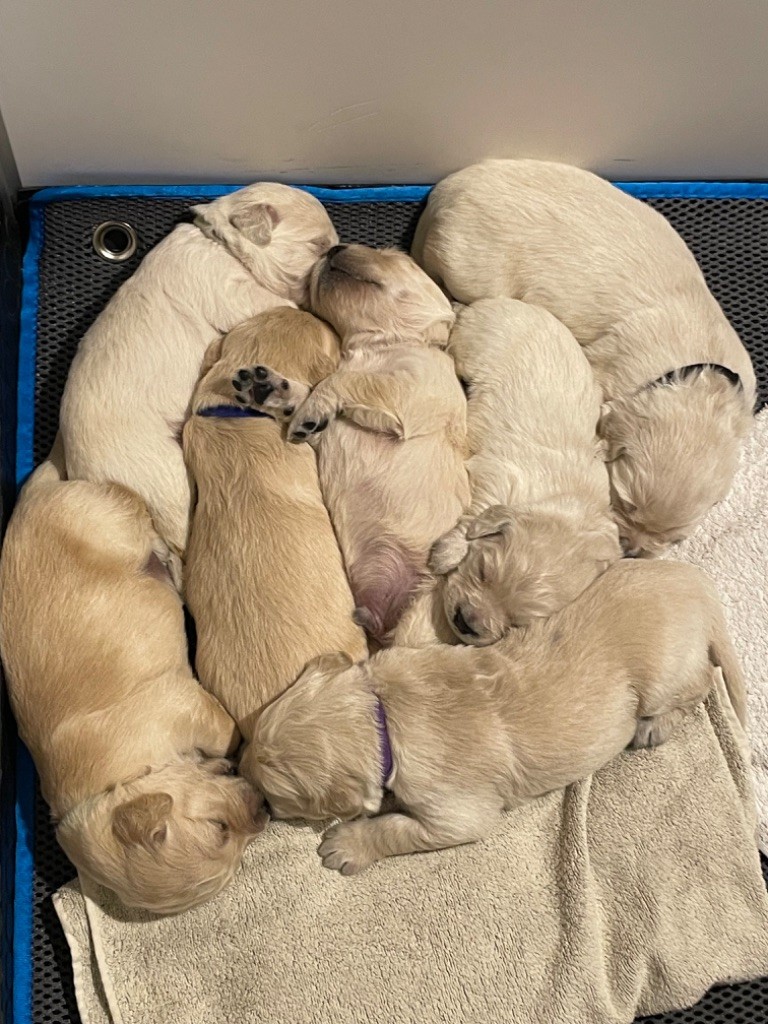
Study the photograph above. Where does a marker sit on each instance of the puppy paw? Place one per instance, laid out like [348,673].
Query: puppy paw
[345,848]
[264,389]
[448,552]
[312,418]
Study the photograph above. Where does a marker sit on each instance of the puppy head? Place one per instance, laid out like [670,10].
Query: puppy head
[276,231]
[523,565]
[672,453]
[379,294]
[315,750]
[294,344]
[169,840]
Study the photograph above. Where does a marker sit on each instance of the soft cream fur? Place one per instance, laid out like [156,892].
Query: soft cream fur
[264,576]
[475,731]
[618,275]
[128,747]
[392,453]
[539,528]
[132,377]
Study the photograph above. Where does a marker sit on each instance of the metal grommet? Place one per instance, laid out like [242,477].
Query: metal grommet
[115,241]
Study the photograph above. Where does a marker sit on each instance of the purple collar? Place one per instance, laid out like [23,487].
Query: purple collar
[385,747]
[231,411]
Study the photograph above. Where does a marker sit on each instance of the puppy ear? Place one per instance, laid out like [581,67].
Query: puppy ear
[329,663]
[256,221]
[604,543]
[495,520]
[437,333]
[143,821]
[211,357]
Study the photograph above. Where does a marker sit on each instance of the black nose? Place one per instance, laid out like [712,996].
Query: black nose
[335,250]
[462,625]
[630,550]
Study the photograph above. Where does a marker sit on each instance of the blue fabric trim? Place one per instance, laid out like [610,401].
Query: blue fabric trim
[374,194]
[23,887]
[25,770]
[25,404]
[393,193]
[695,189]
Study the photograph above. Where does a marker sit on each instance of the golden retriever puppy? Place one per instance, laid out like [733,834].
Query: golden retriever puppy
[264,577]
[393,418]
[129,748]
[459,734]
[678,384]
[129,388]
[539,528]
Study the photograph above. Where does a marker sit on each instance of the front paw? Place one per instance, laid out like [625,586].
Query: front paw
[262,388]
[344,848]
[448,552]
[311,418]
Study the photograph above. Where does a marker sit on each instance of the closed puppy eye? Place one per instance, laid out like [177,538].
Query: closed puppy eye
[223,828]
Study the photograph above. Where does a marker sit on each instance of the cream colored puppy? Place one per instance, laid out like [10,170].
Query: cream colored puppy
[459,734]
[264,576]
[539,529]
[132,377]
[391,457]
[678,384]
[129,748]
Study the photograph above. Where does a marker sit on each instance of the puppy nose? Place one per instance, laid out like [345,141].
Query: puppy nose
[462,625]
[629,547]
[335,250]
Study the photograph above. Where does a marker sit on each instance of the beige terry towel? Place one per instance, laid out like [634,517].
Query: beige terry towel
[629,893]
[732,545]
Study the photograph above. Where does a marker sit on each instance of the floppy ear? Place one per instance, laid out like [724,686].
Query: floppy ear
[329,664]
[604,543]
[143,820]
[438,332]
[256,221]
[495,520]
[211,357]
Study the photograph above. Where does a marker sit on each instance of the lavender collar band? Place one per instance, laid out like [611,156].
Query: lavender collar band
[385,747]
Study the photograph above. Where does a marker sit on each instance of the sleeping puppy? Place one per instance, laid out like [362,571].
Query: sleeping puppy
[539,528]
[264,576]
[132,377]
[459,734]
[391,457]
[129,748]
[678,384]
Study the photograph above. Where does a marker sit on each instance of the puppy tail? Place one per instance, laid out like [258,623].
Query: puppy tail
[723,654]
[383,581]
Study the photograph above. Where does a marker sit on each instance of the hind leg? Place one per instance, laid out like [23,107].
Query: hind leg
[655,730]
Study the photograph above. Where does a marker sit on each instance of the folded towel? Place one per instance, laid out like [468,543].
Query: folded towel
[628,893]
[732,545]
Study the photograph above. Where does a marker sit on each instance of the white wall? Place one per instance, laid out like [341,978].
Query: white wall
[392,91]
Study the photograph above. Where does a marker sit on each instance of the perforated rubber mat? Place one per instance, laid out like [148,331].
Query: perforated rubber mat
[728,236]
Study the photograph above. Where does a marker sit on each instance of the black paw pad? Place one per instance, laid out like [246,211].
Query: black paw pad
[260,373]
[321,425]
[288,411]
[299,435]
[285,385]
[238,385]
[244,375]
[309,425]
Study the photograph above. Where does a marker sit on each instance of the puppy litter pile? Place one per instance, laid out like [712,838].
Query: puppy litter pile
[445,456]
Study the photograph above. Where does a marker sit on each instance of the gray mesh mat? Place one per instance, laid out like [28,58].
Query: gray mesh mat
[730,240]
